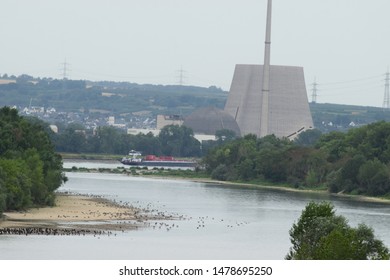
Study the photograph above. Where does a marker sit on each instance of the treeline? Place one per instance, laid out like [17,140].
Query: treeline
[356,162]
[173,140]
[30,170]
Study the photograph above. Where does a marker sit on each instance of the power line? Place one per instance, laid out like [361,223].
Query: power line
[340,92]
[181,76]
[65,74]
[386,99]
[353,81]
[347,87]
[314,91]
[65,70]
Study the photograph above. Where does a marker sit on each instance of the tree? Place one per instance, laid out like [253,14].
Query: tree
[220,173]
[352,244]
[110,140]
[148,144]
[73,139]
[178,141]
[350,170]
[334,145]
[225,135]
[308,138]
[321,234]
[17,184]
[272,164]
[30,170]
[271,158]
[374,177]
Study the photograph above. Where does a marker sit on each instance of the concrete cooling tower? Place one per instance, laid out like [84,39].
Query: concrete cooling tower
[268,99]
[288,107]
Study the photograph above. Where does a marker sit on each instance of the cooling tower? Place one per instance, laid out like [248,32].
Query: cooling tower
[287,110]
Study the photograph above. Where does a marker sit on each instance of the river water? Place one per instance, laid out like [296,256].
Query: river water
[221,222]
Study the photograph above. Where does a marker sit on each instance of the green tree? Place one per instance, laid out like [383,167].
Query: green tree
[372,141]
[30,170]
[272,158]
[352,244]
[148,144]
[34,171]
[225,135]
[308,138]
[72,140]
[246,169]
[3,193]
[272,164]
[355,162]
[179,141]
[333,144]
[374,177]
[220,173]
[110,140]
[351,168]
[17,184]
[321,234]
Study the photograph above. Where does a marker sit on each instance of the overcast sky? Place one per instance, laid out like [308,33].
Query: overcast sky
[344,44]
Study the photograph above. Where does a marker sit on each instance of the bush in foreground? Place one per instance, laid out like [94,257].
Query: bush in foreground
[320,234]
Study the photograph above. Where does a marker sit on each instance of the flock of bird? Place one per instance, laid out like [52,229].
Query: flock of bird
[52,231]
[143,216]
[200,222]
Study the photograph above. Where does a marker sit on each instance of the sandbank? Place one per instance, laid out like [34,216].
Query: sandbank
[77,212]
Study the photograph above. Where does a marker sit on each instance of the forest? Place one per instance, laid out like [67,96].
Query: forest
[30,169]
[173,140]
[353,162]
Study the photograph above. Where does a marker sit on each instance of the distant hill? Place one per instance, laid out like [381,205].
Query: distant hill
[329,117]
[110,97]
[147,100]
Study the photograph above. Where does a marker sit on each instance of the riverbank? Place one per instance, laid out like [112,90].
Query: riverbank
[267,186]
[281,188]
[75,213]
[190,175]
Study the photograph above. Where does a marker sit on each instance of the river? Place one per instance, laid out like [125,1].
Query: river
[221,222]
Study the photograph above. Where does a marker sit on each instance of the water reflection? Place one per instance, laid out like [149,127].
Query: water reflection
[223,222]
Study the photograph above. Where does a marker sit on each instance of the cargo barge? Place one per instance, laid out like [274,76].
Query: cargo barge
[135,158]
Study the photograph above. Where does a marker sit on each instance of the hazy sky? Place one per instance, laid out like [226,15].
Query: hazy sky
[345,44]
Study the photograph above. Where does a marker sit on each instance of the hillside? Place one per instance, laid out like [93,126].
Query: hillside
[113,98]
[329,117]
[78,101]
